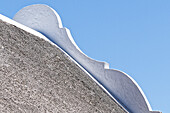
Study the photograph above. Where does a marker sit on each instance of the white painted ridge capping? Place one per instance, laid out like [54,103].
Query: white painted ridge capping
[121,86]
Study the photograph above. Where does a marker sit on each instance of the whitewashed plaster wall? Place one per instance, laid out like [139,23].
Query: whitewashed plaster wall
[121,86]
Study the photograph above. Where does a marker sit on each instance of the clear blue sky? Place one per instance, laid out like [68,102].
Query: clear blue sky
[131,35]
